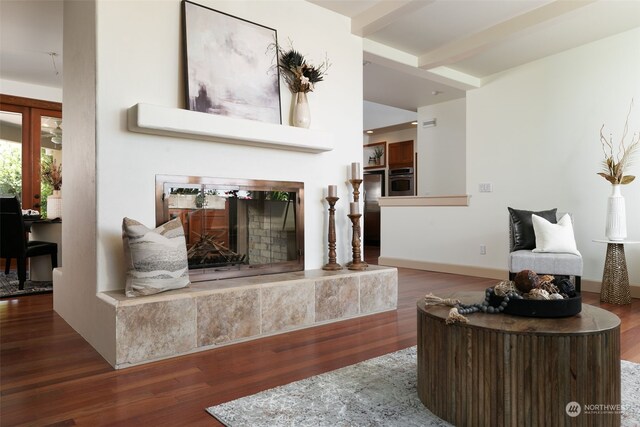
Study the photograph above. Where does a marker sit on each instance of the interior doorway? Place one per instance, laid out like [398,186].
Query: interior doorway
[30,136]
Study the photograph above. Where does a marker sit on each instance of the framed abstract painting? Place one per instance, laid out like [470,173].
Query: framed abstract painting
[230,65]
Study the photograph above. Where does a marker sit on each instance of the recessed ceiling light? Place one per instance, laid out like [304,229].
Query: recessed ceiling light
[369,131]
[414,123]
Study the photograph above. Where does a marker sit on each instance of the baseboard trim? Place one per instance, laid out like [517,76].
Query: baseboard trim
[464,270]
[489,273]
[593,286]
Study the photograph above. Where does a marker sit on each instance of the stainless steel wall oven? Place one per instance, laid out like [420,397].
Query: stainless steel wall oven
[401,182]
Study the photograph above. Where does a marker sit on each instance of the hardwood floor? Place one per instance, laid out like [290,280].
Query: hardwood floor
[50,376]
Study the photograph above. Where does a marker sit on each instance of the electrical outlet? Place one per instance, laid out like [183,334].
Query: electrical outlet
[483,249]
[486,187]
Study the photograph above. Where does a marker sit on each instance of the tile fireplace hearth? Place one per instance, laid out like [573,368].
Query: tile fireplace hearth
[210,314]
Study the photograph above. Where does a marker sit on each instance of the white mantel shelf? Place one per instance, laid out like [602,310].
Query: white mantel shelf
[177,122]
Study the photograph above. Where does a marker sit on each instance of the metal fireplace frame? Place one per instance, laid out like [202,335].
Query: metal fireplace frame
[241,270]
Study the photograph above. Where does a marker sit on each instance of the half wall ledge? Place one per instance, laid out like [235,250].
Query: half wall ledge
[207,315]
[456,200]
[181,123]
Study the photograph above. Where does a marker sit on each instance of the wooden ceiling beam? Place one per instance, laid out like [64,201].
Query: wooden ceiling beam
[382,14]
[406,63]
[475,43]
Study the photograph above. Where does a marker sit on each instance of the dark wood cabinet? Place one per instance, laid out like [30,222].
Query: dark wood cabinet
[401,154]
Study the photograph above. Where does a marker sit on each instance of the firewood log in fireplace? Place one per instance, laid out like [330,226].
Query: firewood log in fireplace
[209,251]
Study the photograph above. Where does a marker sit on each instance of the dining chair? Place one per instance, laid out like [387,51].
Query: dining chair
[14,242]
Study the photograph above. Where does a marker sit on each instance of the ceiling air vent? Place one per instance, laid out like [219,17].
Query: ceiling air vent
[429,123]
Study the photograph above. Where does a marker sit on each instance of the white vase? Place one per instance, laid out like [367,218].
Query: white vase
[616,216]
[54,205]
[301,112]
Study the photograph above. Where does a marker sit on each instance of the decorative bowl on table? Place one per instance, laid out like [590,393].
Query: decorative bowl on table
[540,308]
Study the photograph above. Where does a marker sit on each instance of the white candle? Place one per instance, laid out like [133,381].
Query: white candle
[333,191]
[354,208]
[355,170]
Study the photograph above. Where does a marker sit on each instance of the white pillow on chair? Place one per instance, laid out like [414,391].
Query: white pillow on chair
[557,238]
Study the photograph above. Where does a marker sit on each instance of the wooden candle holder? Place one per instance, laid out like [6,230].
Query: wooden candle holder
[355,183]
[357,263]
[332,265]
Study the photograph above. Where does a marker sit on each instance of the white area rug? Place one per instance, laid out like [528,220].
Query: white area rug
[376,392]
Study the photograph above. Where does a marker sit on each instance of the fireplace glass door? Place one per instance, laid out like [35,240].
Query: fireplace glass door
[235,228]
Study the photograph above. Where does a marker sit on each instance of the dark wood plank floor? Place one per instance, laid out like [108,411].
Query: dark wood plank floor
[50,376]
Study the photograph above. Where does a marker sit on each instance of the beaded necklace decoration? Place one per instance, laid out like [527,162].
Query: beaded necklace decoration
[456,314]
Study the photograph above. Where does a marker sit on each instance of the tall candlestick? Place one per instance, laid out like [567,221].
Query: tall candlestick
[355,183]
[356,263]
[355,170]
[332,265]
[333,191]
[354,208]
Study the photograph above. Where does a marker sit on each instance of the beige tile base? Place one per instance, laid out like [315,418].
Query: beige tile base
[210,314]
[155,330]
[338,298]
[228,316]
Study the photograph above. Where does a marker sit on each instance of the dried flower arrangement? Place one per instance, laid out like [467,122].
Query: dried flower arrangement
[297,73]
[615,166]
[52,173]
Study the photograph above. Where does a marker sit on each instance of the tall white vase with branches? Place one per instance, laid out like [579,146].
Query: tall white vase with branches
[614,167]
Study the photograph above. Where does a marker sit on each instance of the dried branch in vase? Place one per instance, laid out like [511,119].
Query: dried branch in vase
[614,166]
[52,173]
[299,75]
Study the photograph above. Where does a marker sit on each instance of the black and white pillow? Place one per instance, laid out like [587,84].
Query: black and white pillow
[156,259]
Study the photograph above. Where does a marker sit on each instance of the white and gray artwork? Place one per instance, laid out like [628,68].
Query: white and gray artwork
[230,66]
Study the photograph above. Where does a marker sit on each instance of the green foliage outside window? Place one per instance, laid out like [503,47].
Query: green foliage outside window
[11,174]
[10,169]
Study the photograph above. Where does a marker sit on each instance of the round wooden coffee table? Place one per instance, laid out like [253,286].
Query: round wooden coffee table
[502,370]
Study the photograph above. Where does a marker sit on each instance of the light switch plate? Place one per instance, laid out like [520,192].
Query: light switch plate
[486,187]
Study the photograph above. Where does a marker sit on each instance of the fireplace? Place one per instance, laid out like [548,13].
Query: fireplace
[235,227]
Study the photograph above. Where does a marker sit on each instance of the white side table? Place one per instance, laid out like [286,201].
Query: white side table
[615,278]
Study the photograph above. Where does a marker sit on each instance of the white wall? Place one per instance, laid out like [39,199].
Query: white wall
[74,292]
[139,60]
[533,133]
[29,90]
[442,149]
[379,115]
[391,137]
[138,56]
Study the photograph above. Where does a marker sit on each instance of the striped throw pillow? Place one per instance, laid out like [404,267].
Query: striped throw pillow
[156,259]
